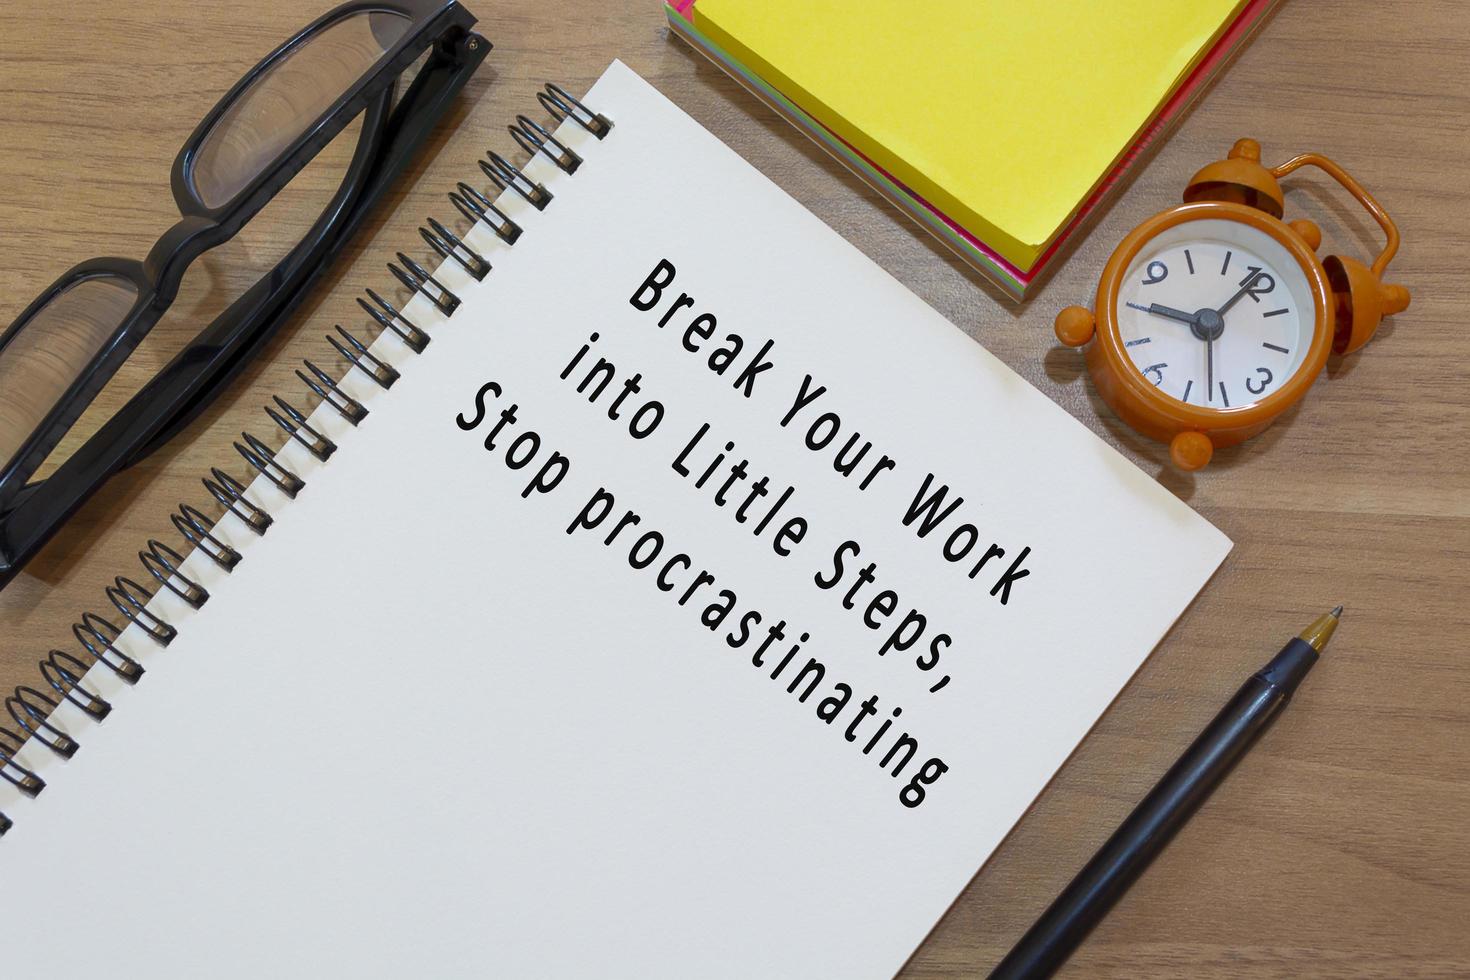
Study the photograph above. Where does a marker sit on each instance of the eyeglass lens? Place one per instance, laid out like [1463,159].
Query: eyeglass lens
[51,349]
[290,96]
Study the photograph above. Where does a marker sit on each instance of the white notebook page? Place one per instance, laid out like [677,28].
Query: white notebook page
[423,730]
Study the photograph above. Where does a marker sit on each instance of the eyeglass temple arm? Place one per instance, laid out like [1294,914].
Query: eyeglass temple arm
[174,393]
[191,381]
[258,314]
[222,347]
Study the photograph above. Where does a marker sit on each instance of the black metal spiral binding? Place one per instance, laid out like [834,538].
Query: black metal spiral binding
[64,673]
[420,280]
[260,456]
[13,772]
[165,564]
[196,529]
[388,317]
[533,138]
[327,389]
[98,637]
[301,430]
[31,717]
[231,493]
[131,599]
[451,246]
[30,708]
[363,359]
[562,105]
[506,177]
[476,207]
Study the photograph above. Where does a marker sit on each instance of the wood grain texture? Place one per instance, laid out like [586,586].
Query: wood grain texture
[1341,848]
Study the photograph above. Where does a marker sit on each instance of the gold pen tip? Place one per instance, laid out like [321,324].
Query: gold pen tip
[1322,629]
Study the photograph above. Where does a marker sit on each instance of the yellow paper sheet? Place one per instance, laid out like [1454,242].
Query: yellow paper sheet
[1004,115]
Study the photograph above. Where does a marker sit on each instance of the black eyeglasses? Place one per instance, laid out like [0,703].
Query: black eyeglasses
[67,344]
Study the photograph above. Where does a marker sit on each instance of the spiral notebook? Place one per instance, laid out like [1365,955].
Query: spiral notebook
[665,592]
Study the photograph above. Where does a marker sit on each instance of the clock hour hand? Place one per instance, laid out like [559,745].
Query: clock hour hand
[1165,311]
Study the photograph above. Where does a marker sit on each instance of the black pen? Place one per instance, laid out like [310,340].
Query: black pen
[1171,802]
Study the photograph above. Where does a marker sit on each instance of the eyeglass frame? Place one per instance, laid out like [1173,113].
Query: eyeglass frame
[31,513]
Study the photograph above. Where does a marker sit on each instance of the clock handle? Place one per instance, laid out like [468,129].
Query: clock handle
[1358,191]
[1361,299]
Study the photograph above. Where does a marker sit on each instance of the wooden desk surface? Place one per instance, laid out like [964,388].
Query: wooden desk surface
[1342,846]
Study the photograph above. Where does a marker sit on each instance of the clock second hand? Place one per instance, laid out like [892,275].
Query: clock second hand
[1158,309]
[1245,287]
[1210,370]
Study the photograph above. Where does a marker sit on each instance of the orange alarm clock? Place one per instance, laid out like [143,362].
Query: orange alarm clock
[1214,317]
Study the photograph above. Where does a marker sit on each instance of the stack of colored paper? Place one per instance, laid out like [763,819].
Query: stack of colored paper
[998,125]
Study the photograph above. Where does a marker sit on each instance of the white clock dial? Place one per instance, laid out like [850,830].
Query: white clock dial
[1216,313]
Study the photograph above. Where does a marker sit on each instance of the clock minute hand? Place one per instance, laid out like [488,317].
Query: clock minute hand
[1165,311]
[1249,284]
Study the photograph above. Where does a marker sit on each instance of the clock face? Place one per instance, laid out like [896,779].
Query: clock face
[1216,313]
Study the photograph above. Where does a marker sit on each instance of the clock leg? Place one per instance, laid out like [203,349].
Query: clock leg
[1191,450]
[1075,326]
